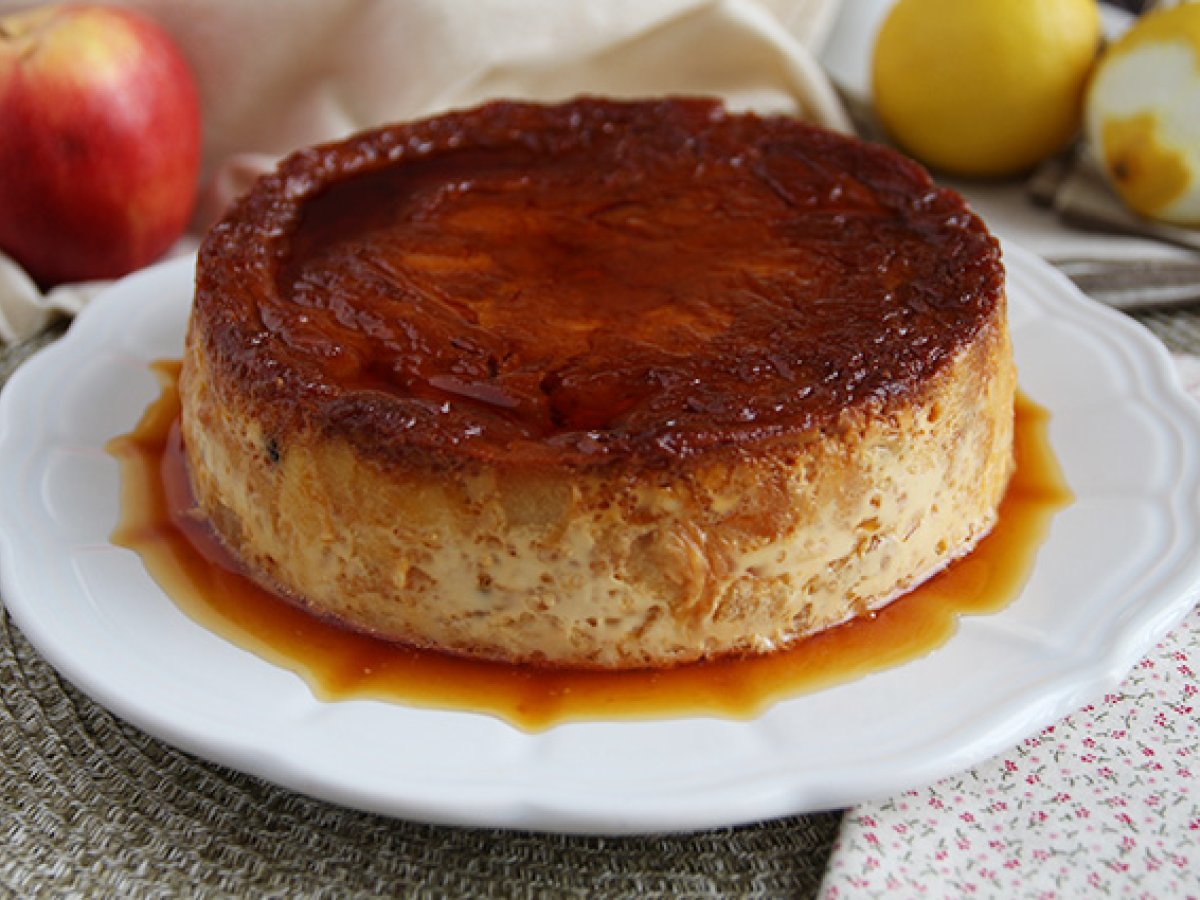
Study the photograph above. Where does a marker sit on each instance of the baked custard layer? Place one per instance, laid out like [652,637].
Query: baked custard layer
[602,383]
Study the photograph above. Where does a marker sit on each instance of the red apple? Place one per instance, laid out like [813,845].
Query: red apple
[99,142]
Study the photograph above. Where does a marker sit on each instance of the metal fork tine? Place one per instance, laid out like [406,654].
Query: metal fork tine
[1135,284]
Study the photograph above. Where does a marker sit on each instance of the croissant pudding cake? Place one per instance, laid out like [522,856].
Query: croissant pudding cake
[598,384]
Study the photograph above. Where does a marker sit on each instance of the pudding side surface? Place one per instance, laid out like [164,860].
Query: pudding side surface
[609,384]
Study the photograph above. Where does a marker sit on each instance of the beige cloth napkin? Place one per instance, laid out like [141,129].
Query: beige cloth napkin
[275,75]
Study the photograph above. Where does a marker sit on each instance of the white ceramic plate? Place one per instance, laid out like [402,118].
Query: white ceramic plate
[1120,567]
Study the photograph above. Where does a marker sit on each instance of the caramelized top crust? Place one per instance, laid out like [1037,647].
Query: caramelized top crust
[590,282]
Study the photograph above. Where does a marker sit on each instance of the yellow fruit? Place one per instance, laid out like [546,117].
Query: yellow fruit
[984,87]
[1143,115]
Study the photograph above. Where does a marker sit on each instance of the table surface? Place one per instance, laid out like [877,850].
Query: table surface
[91,804]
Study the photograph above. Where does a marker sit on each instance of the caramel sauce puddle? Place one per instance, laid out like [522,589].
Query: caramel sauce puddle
[158,521]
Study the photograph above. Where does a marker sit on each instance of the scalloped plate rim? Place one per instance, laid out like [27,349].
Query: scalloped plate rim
[769,791]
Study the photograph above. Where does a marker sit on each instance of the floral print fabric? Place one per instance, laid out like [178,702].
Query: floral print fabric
[1104,803]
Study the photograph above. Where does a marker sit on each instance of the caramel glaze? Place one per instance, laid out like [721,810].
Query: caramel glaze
[181,552]
[588,283]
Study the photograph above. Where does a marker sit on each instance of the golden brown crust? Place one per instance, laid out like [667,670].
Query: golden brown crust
[766,386]
[588,283]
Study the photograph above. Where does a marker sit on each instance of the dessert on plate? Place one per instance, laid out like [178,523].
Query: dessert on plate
[601,383]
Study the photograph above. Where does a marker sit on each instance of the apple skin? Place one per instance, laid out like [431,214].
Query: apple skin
[99,142]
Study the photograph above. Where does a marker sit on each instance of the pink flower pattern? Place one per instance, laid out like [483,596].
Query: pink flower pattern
[1104,803]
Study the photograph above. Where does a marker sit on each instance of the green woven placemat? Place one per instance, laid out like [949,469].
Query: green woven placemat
[1179,329]
[91,806]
